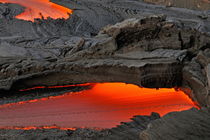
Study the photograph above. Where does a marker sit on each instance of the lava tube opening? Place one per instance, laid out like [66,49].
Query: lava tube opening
[104,105]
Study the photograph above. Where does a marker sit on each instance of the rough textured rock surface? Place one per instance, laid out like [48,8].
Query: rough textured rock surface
[99,13]
[137,50]
[148,60]
[191,124]
[153,51]
[186,125]
[90,16]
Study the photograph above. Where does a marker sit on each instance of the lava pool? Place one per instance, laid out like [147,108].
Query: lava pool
[104,105]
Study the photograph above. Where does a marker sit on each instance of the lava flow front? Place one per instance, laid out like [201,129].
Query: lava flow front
[104,105]
[40,9]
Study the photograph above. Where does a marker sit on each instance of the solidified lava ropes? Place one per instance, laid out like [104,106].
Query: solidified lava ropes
[104,105]
[40,9]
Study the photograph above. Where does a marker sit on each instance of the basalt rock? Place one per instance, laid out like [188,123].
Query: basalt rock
[137,50]
[191,124]
[66,59]
[90,16]
[101,13]
[9,10]
[151,51]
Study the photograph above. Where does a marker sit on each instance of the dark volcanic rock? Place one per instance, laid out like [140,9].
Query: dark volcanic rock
[187,125]
[138,50]
[191,124]
[99,13]
[67,59]
[151,51]
[10,10]
[90,16]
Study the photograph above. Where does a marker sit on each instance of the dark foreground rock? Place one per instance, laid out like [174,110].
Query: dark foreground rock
[186,125]
[191,124]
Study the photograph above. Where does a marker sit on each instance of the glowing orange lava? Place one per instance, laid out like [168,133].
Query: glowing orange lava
[105,105]
[35,127]
[65,86]
[40,9]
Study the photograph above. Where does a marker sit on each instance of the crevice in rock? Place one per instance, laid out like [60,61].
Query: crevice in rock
[180,39]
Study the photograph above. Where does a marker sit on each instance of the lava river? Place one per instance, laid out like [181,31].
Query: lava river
[104,105]
[40,9]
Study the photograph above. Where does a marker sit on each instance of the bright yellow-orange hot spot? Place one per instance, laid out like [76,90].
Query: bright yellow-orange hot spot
[104,105]
[40,9]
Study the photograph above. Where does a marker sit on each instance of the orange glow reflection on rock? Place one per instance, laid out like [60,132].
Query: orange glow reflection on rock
[105,105]
[65,86]
[35,128]
[40,9]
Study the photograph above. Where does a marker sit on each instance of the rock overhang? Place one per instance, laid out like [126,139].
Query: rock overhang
[160,59]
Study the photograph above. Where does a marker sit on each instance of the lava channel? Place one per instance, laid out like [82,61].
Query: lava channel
[40,9]
[105,105]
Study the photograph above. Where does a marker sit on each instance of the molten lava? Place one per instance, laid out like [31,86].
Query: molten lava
[105,105]
[65,86]
[40,9]
[40,127]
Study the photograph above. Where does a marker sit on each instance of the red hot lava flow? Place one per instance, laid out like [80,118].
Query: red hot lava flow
[40,9]
[104,105]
